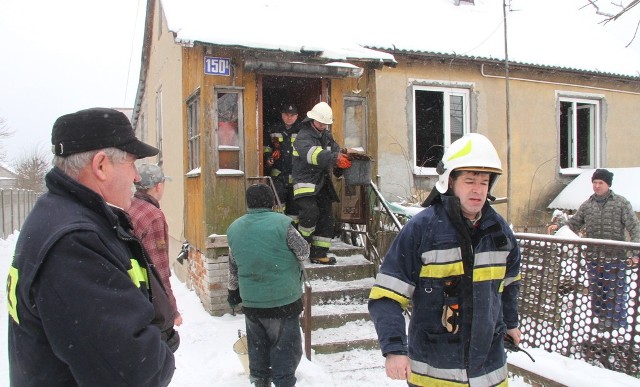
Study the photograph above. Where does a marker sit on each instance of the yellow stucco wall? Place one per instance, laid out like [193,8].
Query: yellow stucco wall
[164,69]
[534,138]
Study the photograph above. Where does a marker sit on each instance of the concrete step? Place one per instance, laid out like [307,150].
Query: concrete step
[358,334]
[341,292]
[342,249]
[336,315]
[346,269]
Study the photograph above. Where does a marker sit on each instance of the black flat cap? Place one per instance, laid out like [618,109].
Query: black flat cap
[96,128]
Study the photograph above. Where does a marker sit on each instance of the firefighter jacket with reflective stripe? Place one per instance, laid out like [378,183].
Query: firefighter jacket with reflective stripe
[314,156]
[268,271]
[439,259]
[282,139]
[79,294]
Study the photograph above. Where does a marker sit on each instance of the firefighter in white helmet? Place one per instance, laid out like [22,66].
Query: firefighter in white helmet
[457,263]
[315,156]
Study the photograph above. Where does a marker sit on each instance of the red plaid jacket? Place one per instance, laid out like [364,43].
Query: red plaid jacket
[150,226]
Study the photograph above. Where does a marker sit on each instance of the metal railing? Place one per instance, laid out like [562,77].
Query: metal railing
[580,298]
[16,205]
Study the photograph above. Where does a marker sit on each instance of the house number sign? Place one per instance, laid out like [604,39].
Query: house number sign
[216,66]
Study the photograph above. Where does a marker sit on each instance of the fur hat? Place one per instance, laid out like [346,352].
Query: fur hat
[259,196]
[150,175]
[604,175]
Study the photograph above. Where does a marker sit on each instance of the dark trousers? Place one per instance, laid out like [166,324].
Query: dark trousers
[316,214]
[284,190]
[609,294]
[275,349]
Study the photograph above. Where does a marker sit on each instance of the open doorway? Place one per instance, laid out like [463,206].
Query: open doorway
[280,90]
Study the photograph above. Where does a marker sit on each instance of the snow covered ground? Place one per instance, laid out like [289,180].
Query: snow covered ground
[206,356]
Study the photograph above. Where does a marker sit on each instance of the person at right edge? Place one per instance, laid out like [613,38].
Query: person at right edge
[457,264]
[607,215]
[315,155]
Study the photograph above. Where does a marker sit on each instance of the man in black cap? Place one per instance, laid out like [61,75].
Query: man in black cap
[80,287]
[265,257]
[607,215]
[278,156]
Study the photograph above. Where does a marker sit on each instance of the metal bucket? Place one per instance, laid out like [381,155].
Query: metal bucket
[241,348]
[359,173]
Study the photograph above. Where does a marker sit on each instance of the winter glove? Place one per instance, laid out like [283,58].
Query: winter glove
[343,161]
[172,340]
[276,154]
[234,298]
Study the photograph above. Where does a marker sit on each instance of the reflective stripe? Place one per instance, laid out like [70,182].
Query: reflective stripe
[321,241]
[495,378]
[423,374]
[305,232]
[465,150]
[442,271]
[441,256]
[276,136]
[266,149]
[312,155]
[303,188]
[509,280]
[138,274]
[441,263]
[12,298]
[295,152]
[491,258]
[275,172]
[398,286]
[490,265]
[378,293]
[489,273]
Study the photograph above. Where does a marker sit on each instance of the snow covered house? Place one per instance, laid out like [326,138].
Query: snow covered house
[404,82]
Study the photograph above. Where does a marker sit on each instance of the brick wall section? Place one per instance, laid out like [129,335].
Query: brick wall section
[208,274]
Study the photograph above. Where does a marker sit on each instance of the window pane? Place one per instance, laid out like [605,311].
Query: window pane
[228,119]
[354,123]
[565,134]
[456,114]
[429,145]
[229,159]
[584,134]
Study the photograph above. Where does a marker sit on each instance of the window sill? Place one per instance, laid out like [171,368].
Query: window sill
[229,172]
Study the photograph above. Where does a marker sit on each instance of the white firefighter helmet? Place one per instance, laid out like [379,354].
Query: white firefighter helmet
[472,152]
[322,113]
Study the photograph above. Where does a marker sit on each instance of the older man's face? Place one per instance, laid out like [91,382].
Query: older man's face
[600,188]
[121,176]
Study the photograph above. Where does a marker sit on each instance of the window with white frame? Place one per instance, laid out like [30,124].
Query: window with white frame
[229,128]
[355,122]
[193,131]
[441,116]
[579,133]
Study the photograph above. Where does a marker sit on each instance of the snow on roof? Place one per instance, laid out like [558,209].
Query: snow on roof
[626,182]
[551,33]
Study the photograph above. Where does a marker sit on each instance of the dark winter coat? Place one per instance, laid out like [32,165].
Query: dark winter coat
[282,139]
[435,250]
[79,293]
[606,218]
[314,156]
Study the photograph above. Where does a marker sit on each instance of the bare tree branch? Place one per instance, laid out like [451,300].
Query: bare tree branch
[31,169]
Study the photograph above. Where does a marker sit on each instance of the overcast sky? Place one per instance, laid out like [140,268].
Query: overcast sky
[62,56]
[65,55]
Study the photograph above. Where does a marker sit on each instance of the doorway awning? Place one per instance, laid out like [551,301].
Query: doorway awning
[329,70]
[626,182]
